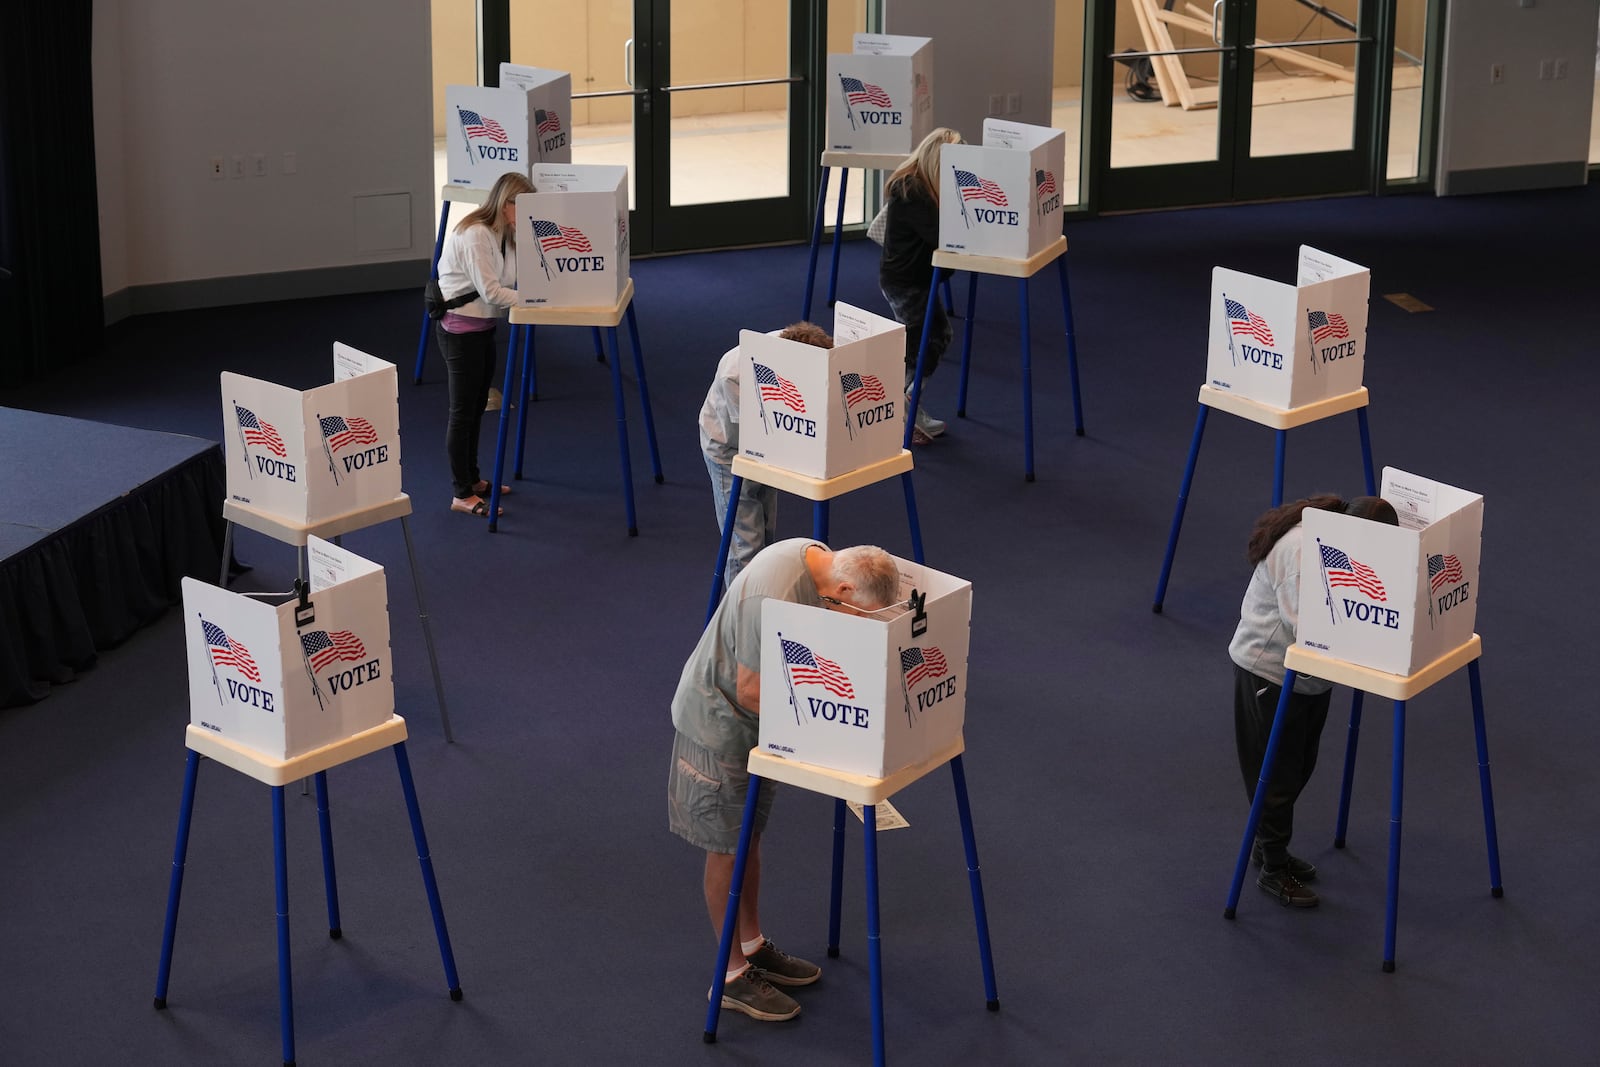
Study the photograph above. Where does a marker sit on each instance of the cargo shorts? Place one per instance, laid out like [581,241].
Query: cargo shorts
[706,794]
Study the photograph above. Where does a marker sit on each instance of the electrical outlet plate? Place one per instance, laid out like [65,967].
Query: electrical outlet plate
[995,104]
[1497,73]
[238,167]
[258,164]
[1013,103]
[218,169]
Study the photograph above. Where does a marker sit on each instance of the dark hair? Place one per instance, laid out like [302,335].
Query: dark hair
[1272,525]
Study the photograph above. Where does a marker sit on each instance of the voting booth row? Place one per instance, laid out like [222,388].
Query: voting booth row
[285,687]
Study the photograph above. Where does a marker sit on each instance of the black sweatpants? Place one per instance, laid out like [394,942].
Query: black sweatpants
[1255,703]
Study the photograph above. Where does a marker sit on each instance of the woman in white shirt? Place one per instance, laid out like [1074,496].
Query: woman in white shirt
[479,256]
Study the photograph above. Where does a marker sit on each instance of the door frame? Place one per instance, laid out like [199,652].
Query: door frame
[1234,175]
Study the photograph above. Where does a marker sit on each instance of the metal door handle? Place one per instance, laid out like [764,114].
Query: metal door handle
[1216,13]
[627,60]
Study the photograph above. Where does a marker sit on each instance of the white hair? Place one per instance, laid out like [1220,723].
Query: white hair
[872,572]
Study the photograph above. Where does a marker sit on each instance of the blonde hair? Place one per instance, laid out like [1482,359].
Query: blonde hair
[808,333]
[920,171]
[492,213]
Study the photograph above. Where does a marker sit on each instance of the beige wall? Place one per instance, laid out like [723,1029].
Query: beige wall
[712,41]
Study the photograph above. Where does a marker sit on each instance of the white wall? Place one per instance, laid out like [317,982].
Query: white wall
[1523,121]
[992,46]
[343,86]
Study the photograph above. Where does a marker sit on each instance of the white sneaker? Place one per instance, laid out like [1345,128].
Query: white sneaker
[928,424]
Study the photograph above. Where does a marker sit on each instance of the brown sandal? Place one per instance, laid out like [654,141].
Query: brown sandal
[473,505]
[482,488]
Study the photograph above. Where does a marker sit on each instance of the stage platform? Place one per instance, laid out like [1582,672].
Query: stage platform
[97,525]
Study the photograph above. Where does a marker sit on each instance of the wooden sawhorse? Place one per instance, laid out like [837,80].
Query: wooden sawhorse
[868,792]
[596,319]
[276,773]
[1282,420]
[1398,688]
[820,490]
[235,513]
[1022,270]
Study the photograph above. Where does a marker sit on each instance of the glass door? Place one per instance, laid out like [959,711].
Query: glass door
[1241,100]
[707,102]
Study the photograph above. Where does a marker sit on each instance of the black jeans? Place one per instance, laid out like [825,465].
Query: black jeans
[1255,703]
[469,363]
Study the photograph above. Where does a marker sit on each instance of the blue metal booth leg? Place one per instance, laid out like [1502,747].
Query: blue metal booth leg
[730,921]
[838,229]
[1366,451]
[836,881]
[1072,345]
[506,390]
[1183,503]
[869,816]
[280,868]
[180,852]
[1484,785]
[425,859]
[644,395]
[966,337]
[622,430]
[723,546]
[980,914]
[922,355]
[1353,736]
[325,832]
[1257,804]
[433,273]
[816,244]
[1396,802]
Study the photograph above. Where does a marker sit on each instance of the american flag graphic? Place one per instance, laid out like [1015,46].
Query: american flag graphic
[774,386]
[1342,570]
[547,119]
[861,387]
[476,125]
[323,647]
[920,663]
[259,432]
[1248,322]
[1326,324]
[1045,183]
[342,431]
[551,235]
[229,653]
[807,667]
[1443,570]
[975,188]
[857,91]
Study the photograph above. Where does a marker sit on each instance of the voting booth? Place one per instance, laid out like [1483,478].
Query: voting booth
[549,107]
[880,95]
[1289,345]
[1393,598]
[824,412]
[318,454]
[1002,198]
[572,236]
[867,695]
[284,679]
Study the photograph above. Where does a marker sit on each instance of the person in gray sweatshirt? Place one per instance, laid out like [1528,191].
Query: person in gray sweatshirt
[1268,618]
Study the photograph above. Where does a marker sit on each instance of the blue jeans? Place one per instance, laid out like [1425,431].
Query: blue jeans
[755,523]
[910,305]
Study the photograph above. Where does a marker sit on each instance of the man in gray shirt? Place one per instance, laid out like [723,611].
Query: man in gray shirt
[714,712]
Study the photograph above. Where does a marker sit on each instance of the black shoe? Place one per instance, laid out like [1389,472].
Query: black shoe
[1303,870]
[1289,890]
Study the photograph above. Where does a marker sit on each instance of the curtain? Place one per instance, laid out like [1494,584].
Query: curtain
[51,310]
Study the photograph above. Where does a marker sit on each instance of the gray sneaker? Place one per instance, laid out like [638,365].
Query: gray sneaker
[752,994]
[928,424]
[782,968]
